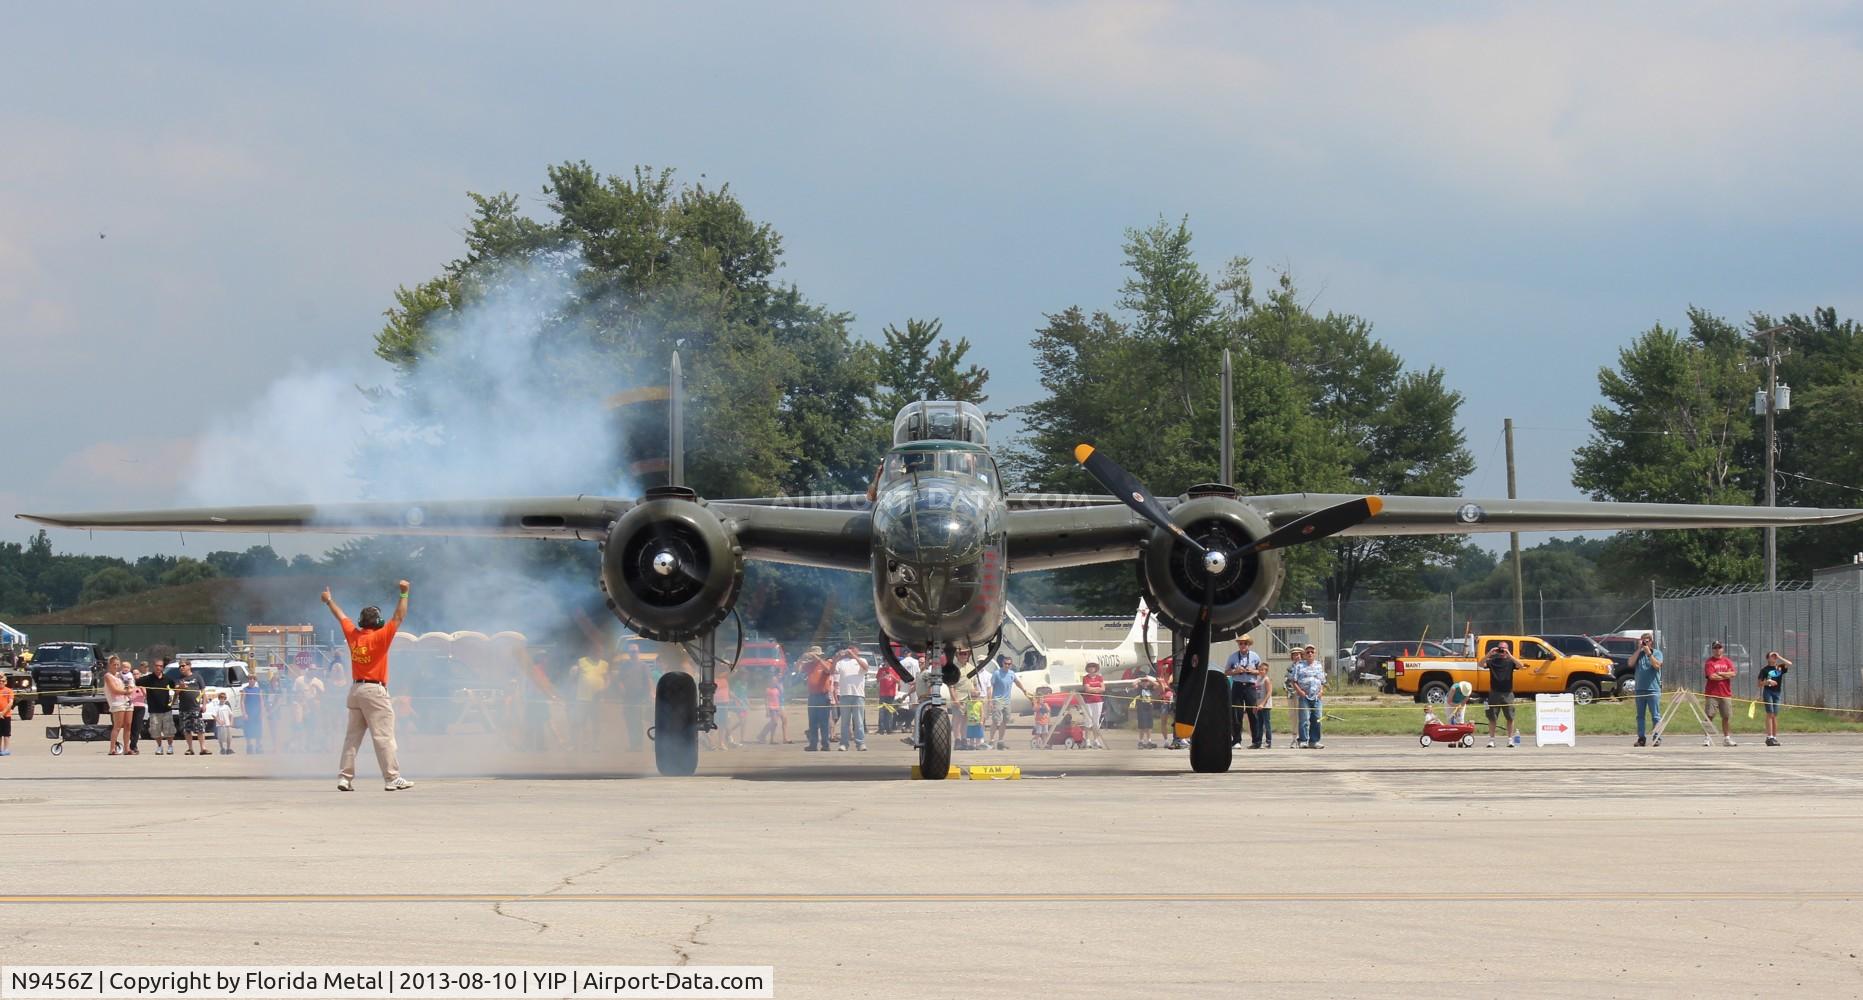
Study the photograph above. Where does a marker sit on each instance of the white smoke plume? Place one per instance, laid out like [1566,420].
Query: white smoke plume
[507,404]
[486,414]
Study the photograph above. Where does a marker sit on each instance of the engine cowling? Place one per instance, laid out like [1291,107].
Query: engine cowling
[671,568]
[1173,580]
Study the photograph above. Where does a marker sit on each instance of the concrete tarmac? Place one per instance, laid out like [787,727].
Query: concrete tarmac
[1370,868]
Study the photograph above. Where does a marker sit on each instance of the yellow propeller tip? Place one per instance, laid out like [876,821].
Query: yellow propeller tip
[1082,452]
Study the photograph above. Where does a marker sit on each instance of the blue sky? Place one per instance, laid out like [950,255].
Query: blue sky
[1510,192]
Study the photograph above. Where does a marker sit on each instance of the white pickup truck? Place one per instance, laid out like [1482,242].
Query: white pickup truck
[218,673]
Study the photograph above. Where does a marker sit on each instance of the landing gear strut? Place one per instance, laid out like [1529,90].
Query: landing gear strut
[682,708]
[934,719]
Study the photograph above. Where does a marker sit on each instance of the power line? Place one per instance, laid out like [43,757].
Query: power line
[1820,482]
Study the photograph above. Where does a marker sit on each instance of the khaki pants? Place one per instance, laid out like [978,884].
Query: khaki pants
[370,709]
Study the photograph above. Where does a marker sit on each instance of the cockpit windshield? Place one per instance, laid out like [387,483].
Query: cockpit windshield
[928,463]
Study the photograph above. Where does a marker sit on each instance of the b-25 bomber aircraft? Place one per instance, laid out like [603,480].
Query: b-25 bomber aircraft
[940,538]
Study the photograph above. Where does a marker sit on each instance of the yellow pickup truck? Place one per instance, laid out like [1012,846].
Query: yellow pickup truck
[1543,670]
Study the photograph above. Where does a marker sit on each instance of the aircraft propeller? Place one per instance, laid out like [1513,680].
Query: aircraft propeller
[1313,527]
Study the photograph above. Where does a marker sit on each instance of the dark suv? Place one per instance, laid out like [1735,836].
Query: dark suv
[1372,660]
[1617,648]
[69,673]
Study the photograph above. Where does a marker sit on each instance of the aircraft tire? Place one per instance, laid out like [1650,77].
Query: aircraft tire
[1210,749]
[934,743]
[676,725]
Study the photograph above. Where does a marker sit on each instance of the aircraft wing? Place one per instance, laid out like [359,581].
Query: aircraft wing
[578,517]
[830,536]
[802,534]
[1054,532]
[1462,516]
[1073,535]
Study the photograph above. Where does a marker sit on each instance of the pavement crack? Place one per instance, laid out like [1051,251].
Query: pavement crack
[692,940]
[499,908]
[570,880]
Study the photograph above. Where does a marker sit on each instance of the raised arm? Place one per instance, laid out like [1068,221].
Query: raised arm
[401,606]
[328,602]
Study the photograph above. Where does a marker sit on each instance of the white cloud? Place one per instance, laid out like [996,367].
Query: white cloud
[1550,108]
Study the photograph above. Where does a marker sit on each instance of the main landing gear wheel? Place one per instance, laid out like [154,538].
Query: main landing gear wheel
[934,743]
[676,725]
[1211,749]
[90,713]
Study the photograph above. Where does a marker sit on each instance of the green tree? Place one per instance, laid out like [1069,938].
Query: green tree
[1675,427]
[1820,461]
[910,369]
[112,581]
[187,571]
[1143,386]
[778,390]
[1396,428]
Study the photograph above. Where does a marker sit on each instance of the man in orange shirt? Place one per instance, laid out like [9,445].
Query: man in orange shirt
[815,668]
[370,708]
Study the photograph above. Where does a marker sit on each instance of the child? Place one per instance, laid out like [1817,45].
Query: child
[6,717]
[773,708]
[973,723]
[223,723]
[1141,707]
[1772,688]
[1040,737]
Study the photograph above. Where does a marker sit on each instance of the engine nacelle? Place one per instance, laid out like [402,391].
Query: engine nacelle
[671,568]
[1172,577]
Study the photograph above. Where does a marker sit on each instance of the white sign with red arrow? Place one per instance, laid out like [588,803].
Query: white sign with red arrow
[1557,720]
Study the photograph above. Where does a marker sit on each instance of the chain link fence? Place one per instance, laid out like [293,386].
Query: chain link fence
[1820,629]
[1445,616]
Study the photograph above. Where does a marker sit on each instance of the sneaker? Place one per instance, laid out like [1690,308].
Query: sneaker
[1490,744]
[1299,745]
[1656,742]
[1641,742]
[1316,746]
[862,747]
[1772,741]
[808,749]
[398,785]
[842,748]
[344,785]
[1707,741]
[1729,741]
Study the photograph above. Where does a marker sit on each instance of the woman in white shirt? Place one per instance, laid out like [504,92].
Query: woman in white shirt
[118,683]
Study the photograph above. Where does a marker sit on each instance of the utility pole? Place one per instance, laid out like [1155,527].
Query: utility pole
[1771,408]
[676,426]
[1513,537]
[1227,437]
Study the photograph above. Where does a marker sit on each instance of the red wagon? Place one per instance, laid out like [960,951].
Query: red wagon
[1449,734]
